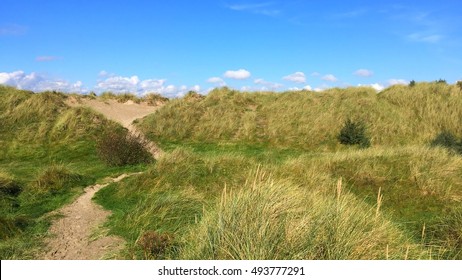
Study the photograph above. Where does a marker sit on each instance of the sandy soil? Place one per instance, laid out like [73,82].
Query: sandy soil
[123,113]
[75,235]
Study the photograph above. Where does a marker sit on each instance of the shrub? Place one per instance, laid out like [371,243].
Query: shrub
[459,84]
[354,133]
[155,244]
[412,83]
[448,140]
[441,81]
[119,148]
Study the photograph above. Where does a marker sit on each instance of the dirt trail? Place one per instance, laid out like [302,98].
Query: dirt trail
[123,113]
[72,234]
[75,235]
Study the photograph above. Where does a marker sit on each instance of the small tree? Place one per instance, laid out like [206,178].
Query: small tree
[412,83]
[354,133]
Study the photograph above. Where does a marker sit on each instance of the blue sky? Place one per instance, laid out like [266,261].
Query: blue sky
[174,46]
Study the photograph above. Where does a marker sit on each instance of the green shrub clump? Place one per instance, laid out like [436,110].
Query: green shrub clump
[119,148]
[354,133]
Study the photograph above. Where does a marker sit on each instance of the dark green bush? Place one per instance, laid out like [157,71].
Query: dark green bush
[119,148]
[412,83]
[448,140]
[354,133]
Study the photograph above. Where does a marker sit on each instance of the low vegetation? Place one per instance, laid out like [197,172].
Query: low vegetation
[48,154]
[260,175]
[119,147]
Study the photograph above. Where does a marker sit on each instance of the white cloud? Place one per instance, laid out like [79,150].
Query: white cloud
[297,77]
[119,84]
[257,8]
[329,78]
[376,86]
[216,80]
[196,88]
[425,38]
[307,87]
[103,73]
[46,58]
[267,85]
[38,82]
[363,73]
[12,30]
[392,82]
[133,84]
[150,85]
[240,74]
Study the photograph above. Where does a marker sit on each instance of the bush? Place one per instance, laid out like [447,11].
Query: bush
[354,133]
[119,148]
[448,140]
[412,83]
[155,244]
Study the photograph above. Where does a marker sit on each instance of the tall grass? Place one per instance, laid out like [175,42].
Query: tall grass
[38,131]
[310,120]
[269,219]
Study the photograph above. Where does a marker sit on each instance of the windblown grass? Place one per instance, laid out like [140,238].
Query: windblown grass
[311,120]
[48,155]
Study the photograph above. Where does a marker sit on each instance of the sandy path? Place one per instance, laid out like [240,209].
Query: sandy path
[123,113]
[71,235]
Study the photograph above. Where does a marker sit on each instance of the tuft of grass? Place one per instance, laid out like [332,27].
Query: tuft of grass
[55,178]
[268,219]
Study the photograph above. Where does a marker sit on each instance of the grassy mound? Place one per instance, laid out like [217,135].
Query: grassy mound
[310,120]
[37,131]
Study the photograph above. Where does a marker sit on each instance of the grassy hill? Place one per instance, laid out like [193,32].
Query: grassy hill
[255,175]
[263,176]
[47,155]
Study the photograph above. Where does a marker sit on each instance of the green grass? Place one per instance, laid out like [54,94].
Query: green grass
[48,150]
[399,115]
[253,175]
